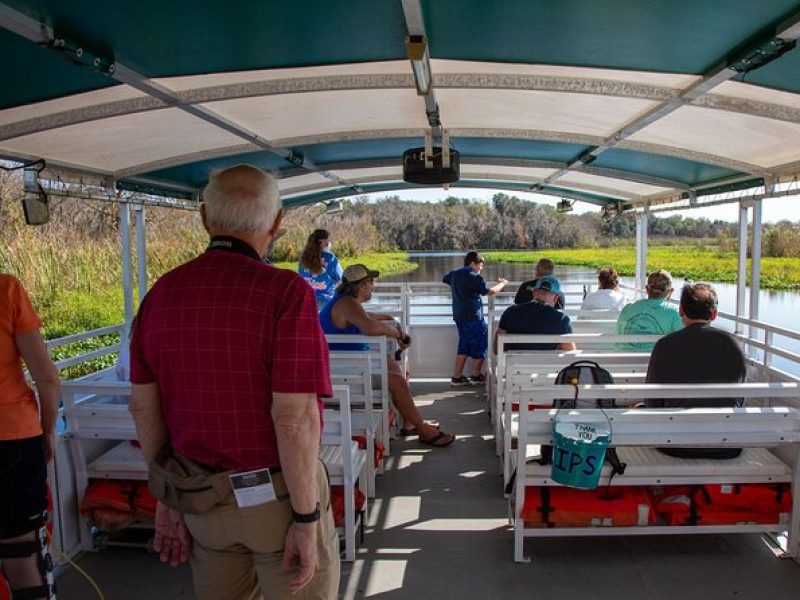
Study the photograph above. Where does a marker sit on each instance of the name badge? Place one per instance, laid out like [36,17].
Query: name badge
[253,488]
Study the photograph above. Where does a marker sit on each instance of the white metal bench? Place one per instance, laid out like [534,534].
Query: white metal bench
[353,369]
[525,369]
[378,349]
[97,415]
[517,367]
[770,437]
[345,462]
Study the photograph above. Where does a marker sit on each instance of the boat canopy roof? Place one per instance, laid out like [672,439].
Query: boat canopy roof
[605,101]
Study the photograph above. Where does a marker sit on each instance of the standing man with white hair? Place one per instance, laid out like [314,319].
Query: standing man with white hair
[228,363]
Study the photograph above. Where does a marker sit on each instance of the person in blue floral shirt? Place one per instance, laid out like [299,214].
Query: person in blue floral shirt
[319,266]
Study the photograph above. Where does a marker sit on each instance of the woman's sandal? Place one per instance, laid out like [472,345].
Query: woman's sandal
[413,430]
[436,441]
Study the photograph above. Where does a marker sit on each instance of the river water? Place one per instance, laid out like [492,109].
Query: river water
[780,308]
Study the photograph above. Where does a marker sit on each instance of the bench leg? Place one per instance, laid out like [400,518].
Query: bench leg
[519,542]
[349,522]
[793,533]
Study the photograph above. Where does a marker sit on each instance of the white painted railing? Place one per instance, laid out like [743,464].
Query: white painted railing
[428,303]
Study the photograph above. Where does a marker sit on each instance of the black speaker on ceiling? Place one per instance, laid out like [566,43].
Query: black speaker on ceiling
[415,171]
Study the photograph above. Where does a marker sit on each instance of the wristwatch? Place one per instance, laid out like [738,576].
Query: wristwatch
[311,517]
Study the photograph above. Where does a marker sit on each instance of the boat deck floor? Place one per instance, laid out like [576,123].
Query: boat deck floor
[438,529]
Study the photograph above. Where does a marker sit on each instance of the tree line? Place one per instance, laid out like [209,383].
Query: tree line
[507,223]
[387,224]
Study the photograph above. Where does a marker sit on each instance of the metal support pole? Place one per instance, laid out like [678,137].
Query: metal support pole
[127,267]
[141,251]
[641,250]
[755,265]
[741,269]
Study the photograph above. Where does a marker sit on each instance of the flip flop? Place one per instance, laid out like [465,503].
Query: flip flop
[413,430]
[434,441]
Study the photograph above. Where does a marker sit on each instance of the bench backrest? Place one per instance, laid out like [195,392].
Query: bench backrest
[353,369]
[337,428]
[526,368]
[98,409]
[378,348]
[658,427]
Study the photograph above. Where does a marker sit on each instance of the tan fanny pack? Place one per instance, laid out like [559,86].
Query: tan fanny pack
[187,486]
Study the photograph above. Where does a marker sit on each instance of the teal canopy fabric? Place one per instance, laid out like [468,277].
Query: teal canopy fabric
[602,101]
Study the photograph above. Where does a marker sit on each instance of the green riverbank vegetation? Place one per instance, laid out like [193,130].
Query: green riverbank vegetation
[72,266]
[689,261]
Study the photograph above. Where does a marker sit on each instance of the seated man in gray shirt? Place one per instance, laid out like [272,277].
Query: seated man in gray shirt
[698,353]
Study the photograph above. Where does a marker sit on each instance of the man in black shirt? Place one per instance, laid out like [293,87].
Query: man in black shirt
[537,316]
[698,353]
[545,266]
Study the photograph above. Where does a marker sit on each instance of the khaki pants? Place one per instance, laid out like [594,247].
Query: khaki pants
[237,552]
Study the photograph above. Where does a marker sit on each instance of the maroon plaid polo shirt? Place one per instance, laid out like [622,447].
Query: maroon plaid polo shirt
[220,334]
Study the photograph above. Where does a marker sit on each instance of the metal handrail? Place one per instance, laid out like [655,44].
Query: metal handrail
[84,335]
[404,298]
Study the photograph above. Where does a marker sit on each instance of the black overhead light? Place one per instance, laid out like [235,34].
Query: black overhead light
[564,206]
[434,166]
[34,203]
[610,211]
[757,56]
[333,206]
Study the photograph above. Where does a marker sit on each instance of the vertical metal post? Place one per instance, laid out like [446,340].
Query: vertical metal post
[768,337]
[641,250]
[406,292]
[141,251]
[741,269]
[127,267]
[755,270]
[755,265]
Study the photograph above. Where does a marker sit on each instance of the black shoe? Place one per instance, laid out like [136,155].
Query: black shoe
[459,381]
[479,379]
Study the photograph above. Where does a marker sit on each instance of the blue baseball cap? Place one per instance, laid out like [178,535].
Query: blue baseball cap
[548,283]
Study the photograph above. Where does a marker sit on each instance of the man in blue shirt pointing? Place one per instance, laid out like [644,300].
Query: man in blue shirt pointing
[467,287]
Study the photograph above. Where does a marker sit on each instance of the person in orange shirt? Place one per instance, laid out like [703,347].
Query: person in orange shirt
[26,443]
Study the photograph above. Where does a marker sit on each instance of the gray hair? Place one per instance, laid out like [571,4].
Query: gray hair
[241,206]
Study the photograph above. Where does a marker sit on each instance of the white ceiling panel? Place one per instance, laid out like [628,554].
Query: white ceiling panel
[122,142]
[671,80]
[588,189]
[756,93]
[593,115]
[610,184]
[74,102]
[755,140]
[319,113]
[179,84]
[533,174]
[302,181]
[389,173]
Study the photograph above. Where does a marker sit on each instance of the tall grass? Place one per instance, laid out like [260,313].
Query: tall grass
[75,279]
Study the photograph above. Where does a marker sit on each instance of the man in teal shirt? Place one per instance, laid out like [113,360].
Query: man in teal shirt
[653,315]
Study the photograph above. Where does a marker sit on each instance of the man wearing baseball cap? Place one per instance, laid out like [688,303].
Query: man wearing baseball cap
[344,314]
[653,315]
[537,316]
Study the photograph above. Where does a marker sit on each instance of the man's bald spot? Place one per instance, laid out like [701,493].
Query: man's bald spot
[242,182]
